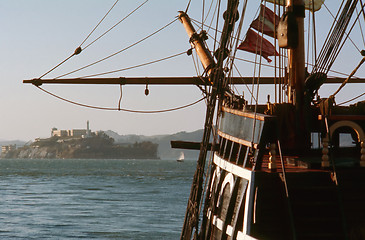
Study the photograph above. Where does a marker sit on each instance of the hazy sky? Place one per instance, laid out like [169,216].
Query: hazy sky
[38,34]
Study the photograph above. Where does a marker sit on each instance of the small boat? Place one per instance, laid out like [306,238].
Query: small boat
[280,169]
[181,157]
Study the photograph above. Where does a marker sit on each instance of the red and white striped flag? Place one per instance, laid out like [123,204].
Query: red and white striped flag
[266,22]
[254,43]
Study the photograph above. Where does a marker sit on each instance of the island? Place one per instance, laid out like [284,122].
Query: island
[82,144]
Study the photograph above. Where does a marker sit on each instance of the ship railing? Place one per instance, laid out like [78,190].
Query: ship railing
[244,137]
[338,122]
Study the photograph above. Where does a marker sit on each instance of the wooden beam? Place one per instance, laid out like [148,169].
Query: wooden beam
[188,145]
[185,145]
[167,81]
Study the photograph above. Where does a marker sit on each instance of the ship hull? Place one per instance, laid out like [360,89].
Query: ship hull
[248,198]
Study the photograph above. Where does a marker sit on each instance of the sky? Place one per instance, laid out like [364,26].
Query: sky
[39,34]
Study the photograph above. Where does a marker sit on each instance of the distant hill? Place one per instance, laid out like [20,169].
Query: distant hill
[99,146]
[164,150]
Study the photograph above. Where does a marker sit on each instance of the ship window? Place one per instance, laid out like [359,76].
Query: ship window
[346,140]
[241,154]
[234,152]
[345,137]
[239,207]
[227,149]
[316,140]
[222,145]
[224,204]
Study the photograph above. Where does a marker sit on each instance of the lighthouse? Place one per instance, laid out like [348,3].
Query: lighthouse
[88,129]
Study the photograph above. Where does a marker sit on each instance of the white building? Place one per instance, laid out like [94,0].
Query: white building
[72,133]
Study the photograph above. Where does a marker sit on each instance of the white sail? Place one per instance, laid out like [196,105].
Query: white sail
[313,5]
[181,158]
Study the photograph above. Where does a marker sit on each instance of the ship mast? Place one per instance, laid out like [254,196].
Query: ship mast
[216,78]
[296,56]
[296,73]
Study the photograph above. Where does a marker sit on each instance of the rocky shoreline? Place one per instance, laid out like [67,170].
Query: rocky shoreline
[98,146]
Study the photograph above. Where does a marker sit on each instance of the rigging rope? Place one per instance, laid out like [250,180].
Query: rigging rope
[363,13]
[97,25]
[349,77]
[136,66]
[334,41]
[210,8]
[79,49]
[102,35]
[335,18]
[120,51]
[118,108]
[187,7]
[352,99]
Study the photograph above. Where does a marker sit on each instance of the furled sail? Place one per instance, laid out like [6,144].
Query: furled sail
[313,5]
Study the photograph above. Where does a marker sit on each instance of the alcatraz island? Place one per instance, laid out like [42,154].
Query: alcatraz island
[81,143]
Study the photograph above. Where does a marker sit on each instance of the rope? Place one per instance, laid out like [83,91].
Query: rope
[334,41]
[347,37]
[187,7]
[203,8]
[349,77]
[102,35]
[121,109]
[120,97]
[136,66]
[97,25]
[363,13]
[290,208]
[79,49]
[208,13]
[249,90]
[216,27]
[120,51]
[335,18]
[237,38]
[351,99]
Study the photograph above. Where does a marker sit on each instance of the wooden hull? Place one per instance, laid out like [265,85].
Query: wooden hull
[248,199]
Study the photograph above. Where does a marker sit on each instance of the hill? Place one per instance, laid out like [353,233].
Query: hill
[96,146]
[164,148]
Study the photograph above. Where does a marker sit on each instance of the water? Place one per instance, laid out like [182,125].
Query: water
[93,199]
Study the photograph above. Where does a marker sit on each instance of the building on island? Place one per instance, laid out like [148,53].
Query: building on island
[72,132]
[7,148]
[59,133]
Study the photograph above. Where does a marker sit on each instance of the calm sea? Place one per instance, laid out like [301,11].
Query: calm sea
[93,199]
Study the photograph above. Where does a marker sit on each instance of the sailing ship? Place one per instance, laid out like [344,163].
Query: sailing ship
[293,168]
[181,157]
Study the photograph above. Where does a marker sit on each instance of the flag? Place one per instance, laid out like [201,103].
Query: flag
[313,5]
[254,43]
[266,22]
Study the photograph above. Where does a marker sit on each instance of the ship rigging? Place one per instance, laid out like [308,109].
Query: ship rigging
[277,170]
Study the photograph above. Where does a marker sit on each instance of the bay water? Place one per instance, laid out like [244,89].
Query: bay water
[93,199]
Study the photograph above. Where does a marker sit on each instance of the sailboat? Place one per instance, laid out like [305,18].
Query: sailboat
[284,169]
[181,157]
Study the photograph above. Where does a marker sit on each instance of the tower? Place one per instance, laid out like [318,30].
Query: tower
[88,128]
